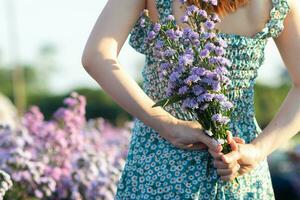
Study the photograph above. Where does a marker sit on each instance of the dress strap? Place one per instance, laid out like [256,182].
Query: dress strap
[275,26]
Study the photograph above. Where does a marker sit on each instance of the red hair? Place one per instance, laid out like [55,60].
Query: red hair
[223,7]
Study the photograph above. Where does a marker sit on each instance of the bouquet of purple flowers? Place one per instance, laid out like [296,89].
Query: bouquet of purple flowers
[192,60]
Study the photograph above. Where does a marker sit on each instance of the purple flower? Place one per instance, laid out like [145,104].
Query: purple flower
[227,105]
[156,27]
[142,22]
[216,86]
[171,34]
[209,25]
[186,32]
[220,97]
[207,35]
[221,70]
[193,35]
[191,9]
[204,53]
[192,78]
[186,59]
[183,90]
[184,19]
[222,43]
[170,18]
[213,60]
[151,35]
[202,13]
[220,118]
[205,97]
[209,46]
[178,33]
[200,71]
[197,89]
[219,51]
[190,103]
[174,76]
[169,52]
[214,2]
[159,44]
[165,65]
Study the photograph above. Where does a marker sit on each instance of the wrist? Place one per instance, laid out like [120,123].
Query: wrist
[160,120]
[260,151]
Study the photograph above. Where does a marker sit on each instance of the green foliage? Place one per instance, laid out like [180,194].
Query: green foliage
[267,101]
[31,79]
[99,104]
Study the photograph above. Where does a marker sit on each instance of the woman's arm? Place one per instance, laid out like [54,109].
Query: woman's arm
[100,61]
[286,123]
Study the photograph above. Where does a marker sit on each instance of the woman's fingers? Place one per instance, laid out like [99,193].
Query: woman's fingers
[215,155]
[210,142]
[232,142]
[196,146]
[230,171]
[219,164]
[239,140]
[231,157]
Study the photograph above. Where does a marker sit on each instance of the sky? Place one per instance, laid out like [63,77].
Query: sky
[66,24]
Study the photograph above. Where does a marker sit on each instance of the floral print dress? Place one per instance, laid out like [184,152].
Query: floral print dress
[156,169]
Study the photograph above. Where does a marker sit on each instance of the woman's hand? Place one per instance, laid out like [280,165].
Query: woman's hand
[242,159]
[189,135]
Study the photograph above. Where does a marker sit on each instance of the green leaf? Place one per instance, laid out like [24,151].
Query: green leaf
[168,101]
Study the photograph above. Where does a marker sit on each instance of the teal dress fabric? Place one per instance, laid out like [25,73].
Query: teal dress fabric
[156,169]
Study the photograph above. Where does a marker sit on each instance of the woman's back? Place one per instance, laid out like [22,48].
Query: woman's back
[246,20]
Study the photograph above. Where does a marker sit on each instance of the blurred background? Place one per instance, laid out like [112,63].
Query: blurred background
[40,64]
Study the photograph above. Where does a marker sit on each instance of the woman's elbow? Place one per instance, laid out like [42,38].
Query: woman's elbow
[86,58]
